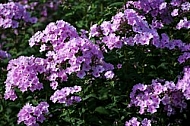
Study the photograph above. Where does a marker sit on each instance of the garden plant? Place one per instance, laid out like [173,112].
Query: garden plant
[95,63]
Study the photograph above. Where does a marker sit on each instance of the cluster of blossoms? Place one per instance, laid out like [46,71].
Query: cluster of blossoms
[119,30]
[162,12]
[42,7]
[134,122]
[68,53]
[166,13]
[149,97]
[4,55]
[32,116]
[11,13]
[132,28]
[23,73]
[64,95]
[72,53]
[55,34]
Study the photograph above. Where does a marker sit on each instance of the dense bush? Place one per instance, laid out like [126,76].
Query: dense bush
[94,63]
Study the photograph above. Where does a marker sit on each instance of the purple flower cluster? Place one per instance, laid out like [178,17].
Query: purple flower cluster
[69,53]
[134,122]
[23,73]
[11,13]
[162,11]
[66,53]
[149,97]
[131,27]
[64,47]
[43,8]
[126,27]
[65,95]
[32,116]
[113,35]
[184,57]
[105,32]
[55,34]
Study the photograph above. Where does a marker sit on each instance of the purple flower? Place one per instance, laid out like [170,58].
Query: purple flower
[106,28]
[4,55]
[174,12]
[183,23]
[132,122]
[163,5]
[109,74]
[146,122]
[185,6]
[94,31]
[54,85]
[119,66]
[81,74]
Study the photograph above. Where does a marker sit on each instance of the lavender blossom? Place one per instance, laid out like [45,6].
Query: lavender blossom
[22,73]
[11,13]
[32,116]
[64,95]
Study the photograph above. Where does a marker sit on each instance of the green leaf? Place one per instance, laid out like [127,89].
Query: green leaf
[101,110]
[89,96]
[1,108]
[116,4]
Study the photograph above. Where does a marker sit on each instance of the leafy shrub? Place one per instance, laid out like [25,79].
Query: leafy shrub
[108,63]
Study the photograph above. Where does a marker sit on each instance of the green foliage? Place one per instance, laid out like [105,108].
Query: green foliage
[84,13]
